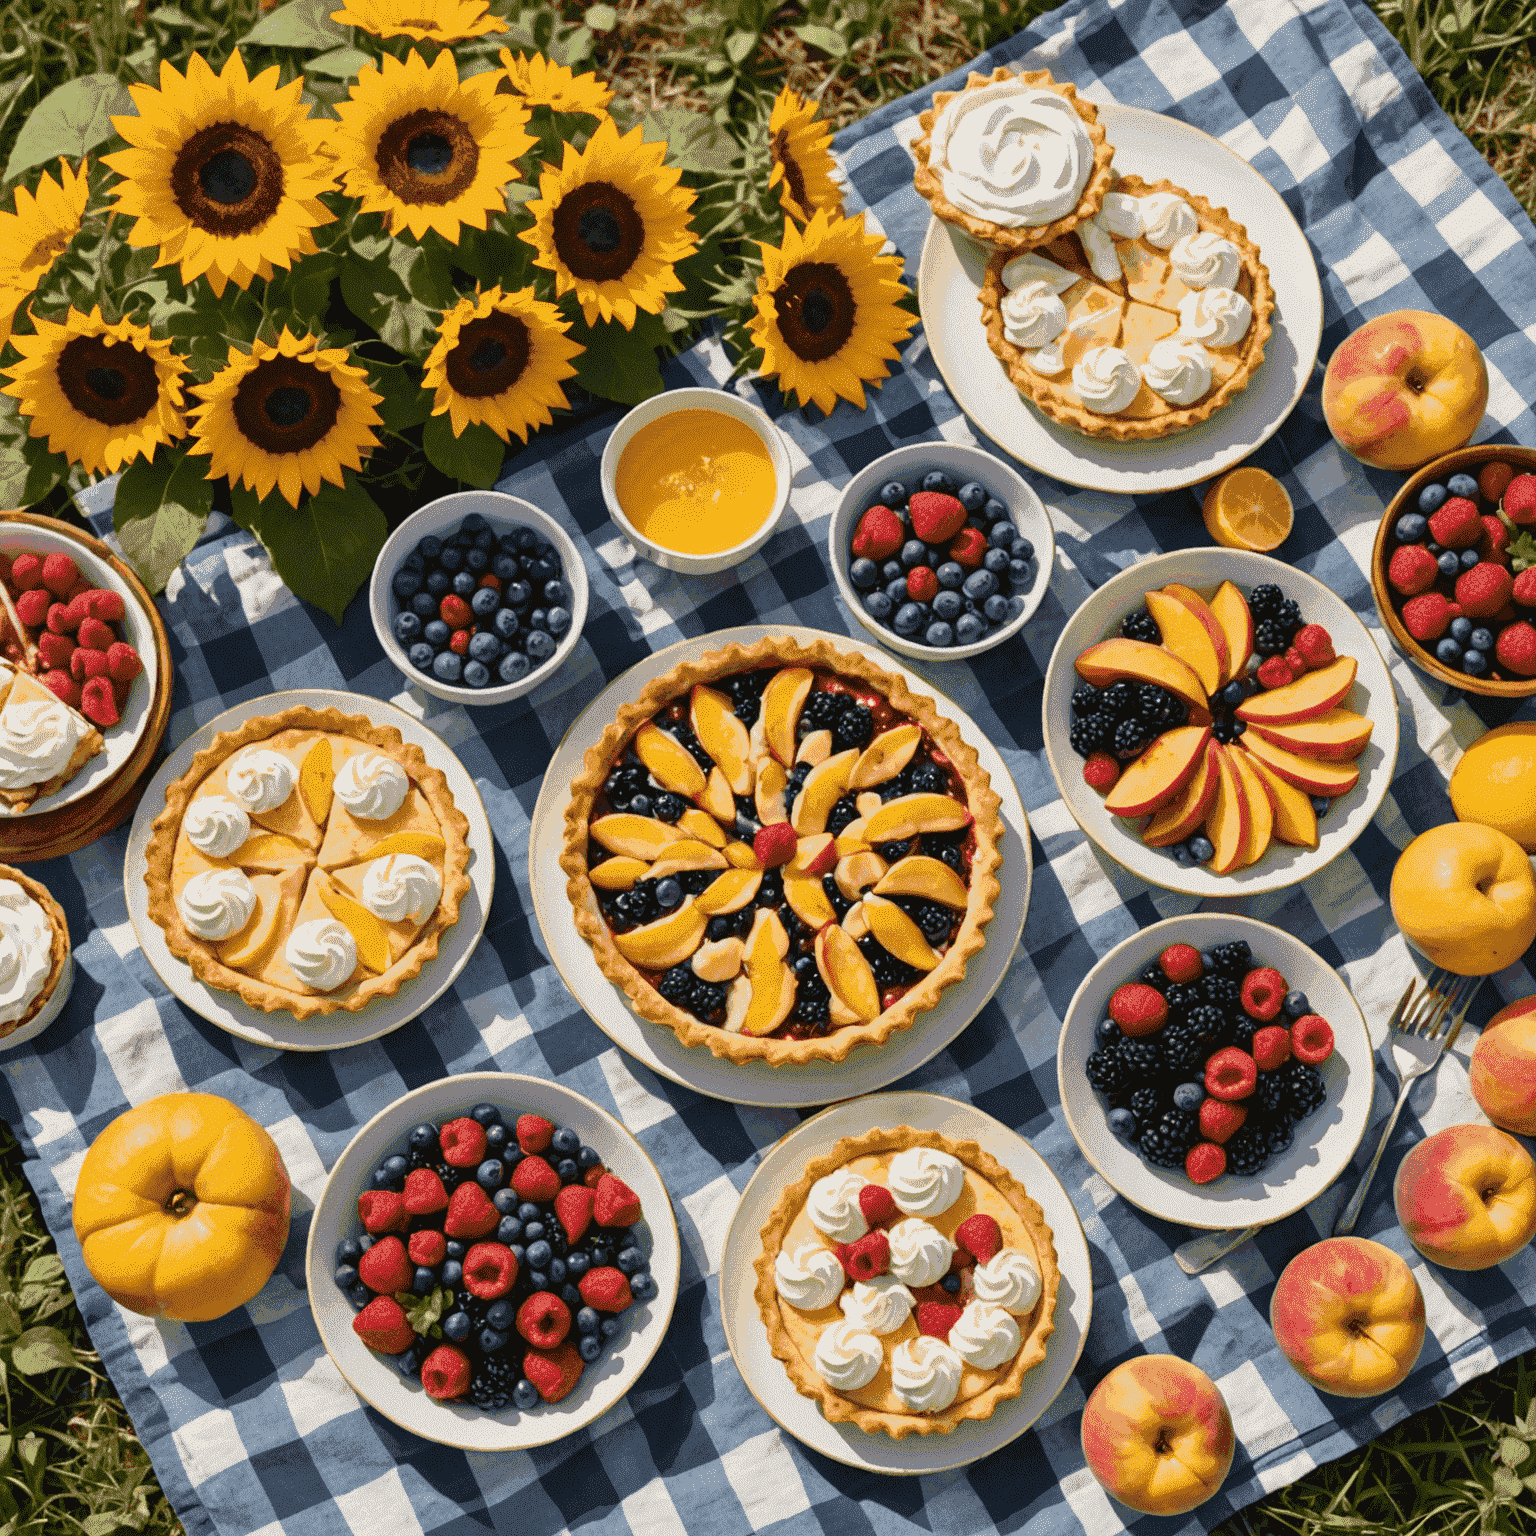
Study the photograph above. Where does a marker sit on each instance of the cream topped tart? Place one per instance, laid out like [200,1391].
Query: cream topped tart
[35,954]
[309,862]
[44,742]
[907,1281]
[781,853]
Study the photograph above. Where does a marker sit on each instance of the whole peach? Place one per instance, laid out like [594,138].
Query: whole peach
[1503,1068]
[1466,1196]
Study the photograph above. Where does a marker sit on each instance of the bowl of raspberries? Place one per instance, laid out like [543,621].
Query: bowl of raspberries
[493,1261]
[1454,570]
[1216,1071]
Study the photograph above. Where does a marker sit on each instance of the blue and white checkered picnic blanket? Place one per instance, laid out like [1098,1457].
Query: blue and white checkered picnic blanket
[252,1429]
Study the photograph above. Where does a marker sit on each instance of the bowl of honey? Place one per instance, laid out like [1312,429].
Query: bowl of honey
[697,479]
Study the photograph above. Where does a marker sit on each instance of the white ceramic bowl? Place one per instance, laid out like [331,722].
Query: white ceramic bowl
[1324,1142]
[405,1400]
[964,463]
[1204,569]
[727,404]
[503,513]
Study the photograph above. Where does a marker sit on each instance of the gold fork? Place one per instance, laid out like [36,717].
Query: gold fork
[1424,1026]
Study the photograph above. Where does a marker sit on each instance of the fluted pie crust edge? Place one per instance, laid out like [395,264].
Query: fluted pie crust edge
[59,953]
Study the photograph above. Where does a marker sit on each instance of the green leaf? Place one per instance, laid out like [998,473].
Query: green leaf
[69,121]
[825,38]
[1512,1451]
[475,457]
[618,364]
[325,547]
[10,1318]
[601,18]
[299,24]
[39,1350]
[1505,1483]
[6,1441]
[739,44]
[695,142]
[424,1314]
[338,64]
[100,1524]
[27,470]
[33,1454]
[160,511]
[406,403]
[378,297]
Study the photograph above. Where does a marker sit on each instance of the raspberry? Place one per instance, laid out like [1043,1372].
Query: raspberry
[490,1270]
[428,1247]
[1312,1039]
[1205,1161]
[936,518]
[878,1205]
[382,1210]
[32,607]
[1101,771]
[573,1210]
[381,1325]
[1231,1074]
[1428,617]
[1516,648]
[107,606]
[922,584]
[1275,672]
[470,1212]
[77,610]
[1483,590]
[59,619]
[1180,962]
[94,634]
[63,685]
[936,1318]
[969,548]
[27,572]
[553,1371]
[84,663]
[1520,500]
[1457,524]
[980,1236]
[534,1132]
[491,580]
[879,534]
[1138,1009]
[445,1373]
[1271,1047]
[1263,993]
[98,703]
[775,844]
[1524,591]
[458,642]
[60,574]
[1494,481]
[1219,1119]
[463,1142]
[386,1267]
[1315,644]
[1295,661]
[605,1289]
[455,612]
[615,1204]
[535,1180]
[123,664]
[593,1176]
[544,1320]
[424,1193]
[866,1258]
[55,650]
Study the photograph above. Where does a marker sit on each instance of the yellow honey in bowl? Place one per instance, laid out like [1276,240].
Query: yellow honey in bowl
[696,481]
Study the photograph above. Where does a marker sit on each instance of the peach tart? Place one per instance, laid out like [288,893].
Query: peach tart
[908,1282]
[309,861]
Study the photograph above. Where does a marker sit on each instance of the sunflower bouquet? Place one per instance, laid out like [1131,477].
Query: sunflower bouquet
[301,293]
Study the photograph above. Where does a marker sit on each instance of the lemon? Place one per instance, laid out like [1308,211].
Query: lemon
[1495,782]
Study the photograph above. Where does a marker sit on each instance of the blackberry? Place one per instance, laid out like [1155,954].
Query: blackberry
[1207,1022]
[1288,618]
[1166,1142]
[1184,1048]
[1221,992]
[707,999]
[696,881]
[813,1003]
[1182,996]
[1140,625]
[1247,1151]
[1091,733]
[452,1177]
[668,807]
[889,971]
[1147,1104]
[676,985]
[1085,700]
[842,812]
[1303,1088]
[1143,1058]
[1119,700]
[1105,1070]
[890,852]
[1131,737]
[927,779]
[853,728]
[948,853]
[1234,959]
[1158,708]
[797,777]
[1152,975]
[1277,1134]
[840,903]
[422,1159]
[491,1385]
[1241,1030]
[819,713]
[1269,639]
[1271,1097]
[746,691]
[932,918]
[683,732]
[770,892]
[1264,601]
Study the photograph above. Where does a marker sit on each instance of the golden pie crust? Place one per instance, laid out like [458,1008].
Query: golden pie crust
[1022,1222]
[930,184]
[1154,417]
[351,997]
[981,799]
[60,952]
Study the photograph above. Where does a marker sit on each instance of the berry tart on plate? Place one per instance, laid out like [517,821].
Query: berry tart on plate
[781,853]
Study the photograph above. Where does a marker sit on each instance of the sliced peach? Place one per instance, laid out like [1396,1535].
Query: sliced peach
[617,874]
[823,788]
[854,923]
[668,941]
[885,756]
[856,872]
[270,850]
[1230,609]
[1227,824]
[729,892]
[867,801]
[847,973]
[807,900]
[919,875]
[814,855]
[425,845]
[1183,816]
[742,856]
[702,826]
[1157,776]
[1295,820]
[722,735]
[1261,812]
[757,1005]
[1308,773]
[1337,737]
[717,799]
[1309,696]
[908,815]
[250,946]
[1185,636]
[1198,606]
[641,837]
[898,933]
[1116,658]
[670,763]
[684,855]
[768,794]
[815,747]
[371,935]
[316,776]
[851,840]
[783,699]
[719,960]
[767,929]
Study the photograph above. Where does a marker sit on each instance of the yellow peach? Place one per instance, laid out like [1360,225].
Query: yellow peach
[1503,1069]
[1466,1196]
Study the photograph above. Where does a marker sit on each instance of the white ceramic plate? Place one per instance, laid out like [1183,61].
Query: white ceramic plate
[1280,867]
[1154,147]
[755,1082]
[1325,1141]
[331,1031]
[374,1377]
[136,629]
[748,1338]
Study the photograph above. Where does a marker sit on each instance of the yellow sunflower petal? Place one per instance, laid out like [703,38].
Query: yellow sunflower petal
[803,166]
[437,21]
[34,237]
[539,82]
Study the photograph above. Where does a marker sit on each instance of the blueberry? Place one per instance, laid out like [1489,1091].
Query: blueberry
[1188,1096]
[1432,498]
[589,1347]
[424,606]
[1233,694]
[589,1157]
[1434,549]
[430,547]
[949,606]
[1021,549]
[996,561]
[420,656]
[937,480]
[1462,485]
[1474,663]
[893,494]
[668,893]
[610,1326]
[516,1250]
[540,646]
[908,617]
[406,585]
[533,1228]
[570,1295]
[1122,1123]
[539,1254]
[878,605]
[1448,652]
[525,1395]
[359,1296]
[518,595]
[505,623]
[1469,558]
[473,524]
[492,1339]
[537,1278]
[512,666]
[465,585]
[446,667]
[506,567]
[914,552]
[456,1248]
[485,602]
[1106,1030]
[577,1263]
[893,570]
[951,574]
[451,1273]
[438,582]
[556,593]
[1019,573]
[397,1166]
[456,1327]
[423,1280]
[1002,535]
[1201,849]
[505,1200]
[1461,630]
[539,619]
[1321,805]
[557,1273]
[1481,639]
[1410,528]
[348,1251]
[642,1287]
[346,1276]
[524,539]
[587,1320]
[1450,563]
[509,1230]
[490,1175]
[1181,855]
[951,1283]
[559,620]
[476,674]
[897,590]
[1296,1005]
[566,1142]
[500,1314]
[436,634]
[970,629]
[451,559]
[980,585]
[939,634]
[863,574]
[630,1260]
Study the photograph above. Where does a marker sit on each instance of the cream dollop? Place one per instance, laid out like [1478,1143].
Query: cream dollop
[372,786]
[26,951]
[1205,260]
[216,825]
[1050,359]
[924,1181]
[1219,317]
[1029,267]
[920,1253]
[321,953]
[1167,219]
[847,1356]
[1177,369]
[809,1278]
[1012,153]
[882,1305]
[261,779]
[1120,215]
[1033,315]
[833,1206]
[985,1336]
[1008,1280]
[37,740]
[401,886]
[1099,245]
[217,903]
[925,1373]
[1106,380]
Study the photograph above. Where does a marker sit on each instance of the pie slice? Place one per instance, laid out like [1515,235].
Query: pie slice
[43,742]
[397,936]
[349,838]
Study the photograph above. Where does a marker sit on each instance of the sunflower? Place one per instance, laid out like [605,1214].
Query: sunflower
[611,223]
[431,152]
[36,235]
[802,159]
[827,313]
[538,82]
[101,394]
[224,173]
[289,415]
[434,21]
[499,362]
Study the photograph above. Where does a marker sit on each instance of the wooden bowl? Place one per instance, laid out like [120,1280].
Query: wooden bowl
[1471,460]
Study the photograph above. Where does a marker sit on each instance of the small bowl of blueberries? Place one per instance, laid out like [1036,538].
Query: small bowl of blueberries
[478,597]
[941,550]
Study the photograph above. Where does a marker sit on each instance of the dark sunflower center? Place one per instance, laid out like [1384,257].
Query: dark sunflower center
[113,383]
[792,176]
[285,406]
[816,310]
[490,356]
[598,232]
[427,156]
[227,179]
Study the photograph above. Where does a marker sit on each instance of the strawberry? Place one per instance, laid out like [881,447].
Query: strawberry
[878,1205]
[382,1210]
[458,641]
[1271,1047]
[1315,644]
[1524,591]
[615,1204]
[490,1270]
[534,1132]
[1138,1009]
[1312,1039]
[573,1209]
[32,607]
[455,612]
[98,703]
[55,650]
[445,1373]
[936,518]
[1494,481]
[424,1192]
[969,548]
[381,1325]
[1494,544]
[463,1142]
[980,1236]
[544,1320]
[775,844]
[94,634]
[59,619]
[869,1256]
[1101,770]
[535,1180]
[84,663]
[1428,617]
[1263,993]
[470,1212]
[879,534]
[428,1247]
[27,572]
[592,1177]
[105,605]
[1275,672]
[605,1289]
[60,574]
[1219,1119]
[936,1318]
[553,1371]
[1205,1161]
[1230,1074]
[1520,500]
[63,685]
[922,584]
[1516,648]
[1457,525]
[386,1267]
[1483,590]
[1181,963]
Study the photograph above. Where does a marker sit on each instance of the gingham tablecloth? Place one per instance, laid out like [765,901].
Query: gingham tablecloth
[250,1426]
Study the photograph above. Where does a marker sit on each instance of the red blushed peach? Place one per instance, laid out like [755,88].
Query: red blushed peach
[1466,1196]
[1348,1314]
[1157,1435]
[1503,1068]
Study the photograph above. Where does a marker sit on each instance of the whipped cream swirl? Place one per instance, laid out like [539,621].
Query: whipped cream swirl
[1167,219]
[1219,317]
[1120,216]
[1028,267]
[401,886]
[809,1278]
[882,1305]
[848,1356]
[372,786]
[1011,153]
[925,1373]
[37,740]
[321,953]
[26,951]
[985,1336]
[920,1253]
[1205,260]
[1177,369]
[833,1206]
[1050,359]
[217,903]
[924,1181]
[261,779]
[1033,315]
[1008,1280]
[1106,380]
[1099,245]
[216,825]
